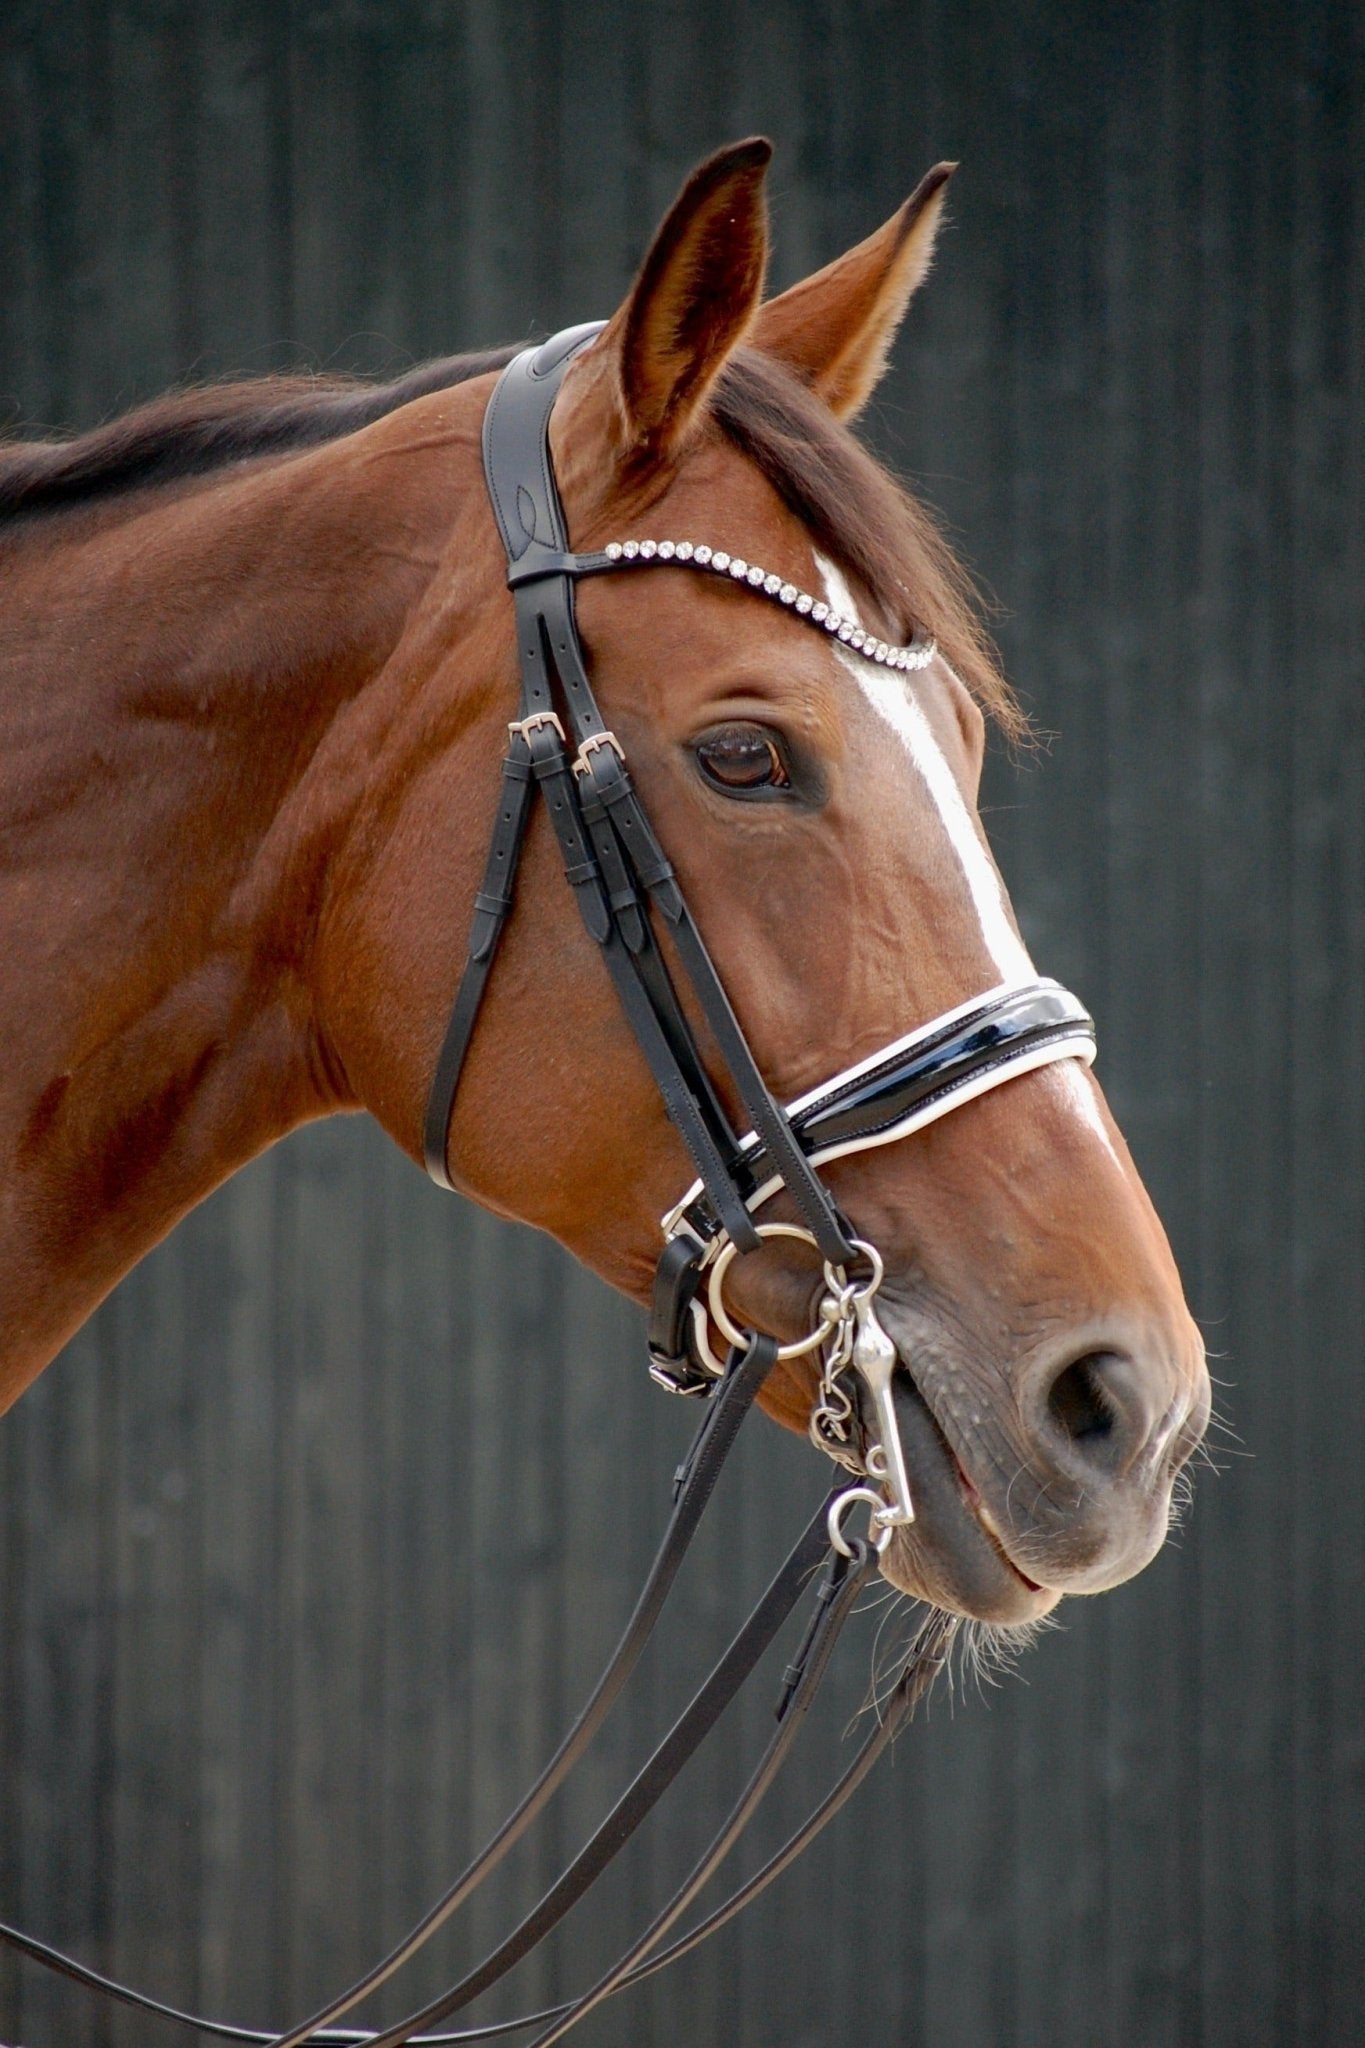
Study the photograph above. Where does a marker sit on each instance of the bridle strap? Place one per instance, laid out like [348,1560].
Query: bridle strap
[923,1663]
[694,1482]
[640,1797]
[844,1581]
[911,1084]
[611,857]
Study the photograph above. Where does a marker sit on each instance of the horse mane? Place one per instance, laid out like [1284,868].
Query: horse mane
[195,432]
[852,507]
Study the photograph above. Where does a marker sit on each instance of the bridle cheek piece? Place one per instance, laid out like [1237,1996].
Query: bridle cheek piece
[623,882]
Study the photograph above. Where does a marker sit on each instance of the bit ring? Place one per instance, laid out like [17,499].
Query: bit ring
[839,1507]
[720,1315]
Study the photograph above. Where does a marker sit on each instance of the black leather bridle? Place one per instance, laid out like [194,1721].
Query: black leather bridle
[622,881]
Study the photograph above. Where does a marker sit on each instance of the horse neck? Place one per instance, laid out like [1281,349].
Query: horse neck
[172,671]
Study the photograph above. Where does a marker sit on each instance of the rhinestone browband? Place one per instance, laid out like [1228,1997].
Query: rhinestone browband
[688,555]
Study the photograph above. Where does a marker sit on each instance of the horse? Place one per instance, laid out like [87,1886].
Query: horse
[259,657]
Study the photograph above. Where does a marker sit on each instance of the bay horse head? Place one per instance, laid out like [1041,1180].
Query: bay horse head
[316,873]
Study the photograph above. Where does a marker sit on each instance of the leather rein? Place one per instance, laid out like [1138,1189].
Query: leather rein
[622,881]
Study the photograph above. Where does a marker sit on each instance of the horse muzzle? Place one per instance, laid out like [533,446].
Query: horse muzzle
[1055,1480]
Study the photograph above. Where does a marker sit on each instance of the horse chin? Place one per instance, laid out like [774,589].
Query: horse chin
[949,1554]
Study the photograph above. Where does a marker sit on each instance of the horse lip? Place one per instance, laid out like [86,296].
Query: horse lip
[951,1552]
[983,1515]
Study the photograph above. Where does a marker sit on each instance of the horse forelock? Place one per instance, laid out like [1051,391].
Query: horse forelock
[855,511]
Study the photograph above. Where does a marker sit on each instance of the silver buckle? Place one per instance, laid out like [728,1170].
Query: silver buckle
[524,727]
[593,744]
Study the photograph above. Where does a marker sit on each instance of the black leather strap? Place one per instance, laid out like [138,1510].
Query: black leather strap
[640,1798]
[614,789]
[714,1439]
[925,1661]
[844,1580]
[677,1277]
[491,908]
[516,452]
[693,1488]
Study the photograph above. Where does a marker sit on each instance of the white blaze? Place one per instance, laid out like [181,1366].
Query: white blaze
[887,692]
[1078,1089]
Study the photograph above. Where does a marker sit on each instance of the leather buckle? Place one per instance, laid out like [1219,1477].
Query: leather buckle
[679,1376]
[524,727]
[593,744]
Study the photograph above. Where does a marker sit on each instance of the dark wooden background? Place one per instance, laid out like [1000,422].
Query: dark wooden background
[312,1540]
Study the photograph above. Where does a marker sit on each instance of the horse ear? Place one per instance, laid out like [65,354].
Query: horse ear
[835,329]
[696,295]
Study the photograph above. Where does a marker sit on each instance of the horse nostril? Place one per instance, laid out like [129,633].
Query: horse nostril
[1076,1401]
[1101,1405]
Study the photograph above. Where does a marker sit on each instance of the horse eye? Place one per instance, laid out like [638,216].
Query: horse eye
[742,757]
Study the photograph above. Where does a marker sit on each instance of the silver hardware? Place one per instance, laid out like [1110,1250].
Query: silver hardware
[526,726]
[874,1358]
[834,1420]
[839,1507]
[720,1315]
[680,1381]
[857,1339]
[592,745]
[848,1334]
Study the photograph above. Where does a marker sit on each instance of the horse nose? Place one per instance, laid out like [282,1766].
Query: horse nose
[1102,1413]
[1107,1424]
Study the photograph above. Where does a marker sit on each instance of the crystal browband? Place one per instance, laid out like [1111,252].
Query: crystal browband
[963,1054]
[686,554]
